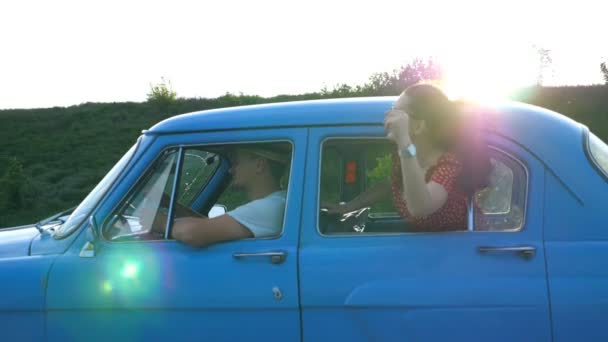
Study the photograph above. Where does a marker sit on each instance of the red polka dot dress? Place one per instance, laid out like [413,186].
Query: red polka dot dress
[453,214]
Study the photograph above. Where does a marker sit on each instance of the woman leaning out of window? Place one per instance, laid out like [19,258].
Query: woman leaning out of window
[439,162]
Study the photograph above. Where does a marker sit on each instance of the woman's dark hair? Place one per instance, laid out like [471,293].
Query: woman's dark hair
[451,130]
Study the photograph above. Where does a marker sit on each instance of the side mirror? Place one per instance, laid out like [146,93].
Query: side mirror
[217,210]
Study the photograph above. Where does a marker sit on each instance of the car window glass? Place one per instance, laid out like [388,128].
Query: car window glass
[204,180]
[348,168]
[496,197]
[599,152]
[500,206]
[198,166]
[138,212]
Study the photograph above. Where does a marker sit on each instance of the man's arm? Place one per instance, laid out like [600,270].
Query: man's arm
[200,232]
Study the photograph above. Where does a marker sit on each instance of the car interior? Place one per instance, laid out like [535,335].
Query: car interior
[350,166]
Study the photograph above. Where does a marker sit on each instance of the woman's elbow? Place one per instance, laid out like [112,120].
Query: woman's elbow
[421,210]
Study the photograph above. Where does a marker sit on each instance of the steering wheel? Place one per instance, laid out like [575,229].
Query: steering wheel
[353,221]
[358,218]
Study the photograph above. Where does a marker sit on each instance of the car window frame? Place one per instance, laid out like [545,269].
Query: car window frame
[144,176]
[587,148]
[470,223]
[526,195]
[180,149]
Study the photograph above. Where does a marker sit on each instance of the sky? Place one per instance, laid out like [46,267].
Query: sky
[61,53]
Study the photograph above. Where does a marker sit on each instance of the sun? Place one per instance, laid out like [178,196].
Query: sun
[487,74]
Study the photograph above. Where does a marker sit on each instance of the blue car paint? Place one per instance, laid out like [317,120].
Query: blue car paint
[391,287]
[404,286]
[22,284]
[205,290]
[15,242]
[577,253]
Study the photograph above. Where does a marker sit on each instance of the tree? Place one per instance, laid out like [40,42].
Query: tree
[544,63]
[395,82]
[604,70]
[12,183]
[419,70]
[162,95]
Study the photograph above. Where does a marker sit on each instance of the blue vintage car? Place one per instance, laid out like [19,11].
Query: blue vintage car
[532,265]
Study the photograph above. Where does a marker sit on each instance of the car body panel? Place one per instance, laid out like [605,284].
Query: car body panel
[142,285]
[576,240]
[15,242]
[422,286]
[22,284]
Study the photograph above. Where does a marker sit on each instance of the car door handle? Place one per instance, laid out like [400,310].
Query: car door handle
[276,257]
[526,252]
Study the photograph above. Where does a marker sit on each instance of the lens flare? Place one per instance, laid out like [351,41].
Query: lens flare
[130,270]
[106,287]
[486,73]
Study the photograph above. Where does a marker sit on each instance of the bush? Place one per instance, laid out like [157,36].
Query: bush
[12,184]
[162,95]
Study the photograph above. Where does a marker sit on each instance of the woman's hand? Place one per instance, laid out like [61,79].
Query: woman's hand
[396,126]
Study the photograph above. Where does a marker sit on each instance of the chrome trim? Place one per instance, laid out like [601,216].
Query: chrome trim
[524,251]
[470,215]
[178,169]
[276,257]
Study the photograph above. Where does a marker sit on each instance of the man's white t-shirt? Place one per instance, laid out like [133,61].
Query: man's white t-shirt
[264,216]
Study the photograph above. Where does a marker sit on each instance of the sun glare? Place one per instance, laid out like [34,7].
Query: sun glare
[130,271]
[487,75]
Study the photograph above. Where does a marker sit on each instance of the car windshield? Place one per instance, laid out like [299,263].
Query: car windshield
[84,208]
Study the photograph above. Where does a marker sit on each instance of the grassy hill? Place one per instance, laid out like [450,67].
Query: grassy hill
[64,152]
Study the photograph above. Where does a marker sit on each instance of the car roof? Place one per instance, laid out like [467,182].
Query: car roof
[547,134]
[518,121]
[350,111]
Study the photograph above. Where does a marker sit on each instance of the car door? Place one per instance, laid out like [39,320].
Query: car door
[165,290]
[576,239]
[485,284]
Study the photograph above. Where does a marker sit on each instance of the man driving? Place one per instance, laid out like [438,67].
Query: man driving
[257,171]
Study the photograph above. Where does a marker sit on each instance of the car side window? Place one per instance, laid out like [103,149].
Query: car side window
[204,180]
[599,152]
[348,168]
[198,167]
[501,205]
[136,214]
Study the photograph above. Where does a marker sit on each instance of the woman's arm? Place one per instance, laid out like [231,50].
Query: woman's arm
[422,198]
